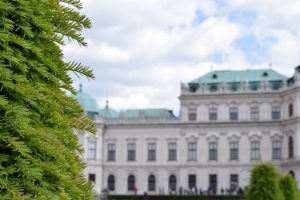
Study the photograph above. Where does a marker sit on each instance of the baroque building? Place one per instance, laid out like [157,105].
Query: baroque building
[229,120]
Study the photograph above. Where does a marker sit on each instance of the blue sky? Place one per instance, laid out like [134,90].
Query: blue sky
[140,50]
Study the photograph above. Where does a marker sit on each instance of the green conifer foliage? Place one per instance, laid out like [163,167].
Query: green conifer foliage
[289,189]
[264,183]
[38,150]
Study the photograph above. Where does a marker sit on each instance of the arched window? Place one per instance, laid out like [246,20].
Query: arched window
[172,182]
[131,183]
[151,183]
[291,147]
[111,183]
[291,110]
[292,173]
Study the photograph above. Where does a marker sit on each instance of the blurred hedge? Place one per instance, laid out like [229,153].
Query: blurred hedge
[173,197]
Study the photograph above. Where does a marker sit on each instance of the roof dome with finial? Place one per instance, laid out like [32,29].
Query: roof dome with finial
[88,103]
[108,112]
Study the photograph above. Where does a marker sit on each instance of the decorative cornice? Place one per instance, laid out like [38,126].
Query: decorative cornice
[173,139]
[131,139]
[152,139]
[110,140]
[213,138]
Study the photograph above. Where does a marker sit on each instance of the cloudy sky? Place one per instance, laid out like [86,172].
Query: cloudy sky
[140,50]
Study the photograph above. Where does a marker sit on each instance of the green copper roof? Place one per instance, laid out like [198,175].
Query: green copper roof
[240,76]
[108,112]
[88,103]
[148,113]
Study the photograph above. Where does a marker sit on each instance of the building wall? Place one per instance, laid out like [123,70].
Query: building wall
[202,131]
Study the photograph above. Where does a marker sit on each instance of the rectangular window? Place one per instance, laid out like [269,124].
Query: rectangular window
[92,178]
[234,150]
[234,181]
[213,114]
[92,150]
[276,150]
[192,151]
[131,151]
[275,113]
[192,181]
[234,115]
[111,152]
[151,152]
[254,113]
[213,151]
[192,114]
[213,183]
[255,150]
[172,151]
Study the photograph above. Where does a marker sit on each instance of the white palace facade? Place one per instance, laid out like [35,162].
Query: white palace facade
[229,120]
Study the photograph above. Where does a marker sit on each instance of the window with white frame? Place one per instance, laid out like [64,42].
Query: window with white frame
[151,183]
[255,150]
[213,114]
[92,147]
[234,150]
[275,113]
[233,114]
[192,151]
[276,150]
[172,151]
[172,182]
[111,152]
[254,113]
[213,151]
[234,182]
[151,151]
[131,152]
[111,183]
[131,183]
[192,114]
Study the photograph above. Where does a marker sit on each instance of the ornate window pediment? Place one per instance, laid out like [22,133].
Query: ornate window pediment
[152,139]
[276,137]
[131,139]
[172,139]
[111,140]
[255,137]
[192,138]
[213,138]
[233,138]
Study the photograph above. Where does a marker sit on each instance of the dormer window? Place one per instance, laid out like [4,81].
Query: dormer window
[234,86]
[254,86]
[193,89]
[275,85]
[213,88]
[265,74]
[214,76]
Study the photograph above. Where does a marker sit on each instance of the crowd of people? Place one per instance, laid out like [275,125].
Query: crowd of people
[188,191]
[205,191]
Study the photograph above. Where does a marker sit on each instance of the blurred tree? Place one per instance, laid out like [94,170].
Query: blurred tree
[288,185]
[264,183]
[38,150]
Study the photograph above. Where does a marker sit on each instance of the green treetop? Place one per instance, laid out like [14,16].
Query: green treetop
[38,150]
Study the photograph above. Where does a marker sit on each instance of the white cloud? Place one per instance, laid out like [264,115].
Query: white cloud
[141,50]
